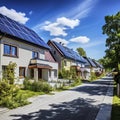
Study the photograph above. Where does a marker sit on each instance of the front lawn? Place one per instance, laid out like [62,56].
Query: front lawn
[27,93]
[115,115]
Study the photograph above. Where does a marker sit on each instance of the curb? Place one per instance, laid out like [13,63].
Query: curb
[106,108]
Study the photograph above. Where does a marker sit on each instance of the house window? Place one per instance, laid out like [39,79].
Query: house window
[22,71]
[10,50]
[55,73]
[34,54]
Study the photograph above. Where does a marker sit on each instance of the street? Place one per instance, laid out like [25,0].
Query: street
[80,103]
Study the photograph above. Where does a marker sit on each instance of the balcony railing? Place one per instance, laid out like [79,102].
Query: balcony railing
[54,65]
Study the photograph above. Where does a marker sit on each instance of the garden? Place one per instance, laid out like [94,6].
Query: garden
[14,95]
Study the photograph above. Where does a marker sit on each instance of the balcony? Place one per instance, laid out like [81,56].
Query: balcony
[53,65]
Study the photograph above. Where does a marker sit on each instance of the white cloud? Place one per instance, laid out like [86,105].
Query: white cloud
[63,41]
[68,22]
[13,14]
[55,29]
[58,28]
[47,22]
[80,39]
[77,12]
[82,10]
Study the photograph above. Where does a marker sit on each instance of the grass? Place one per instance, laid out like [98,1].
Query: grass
[115,115]
[27,93]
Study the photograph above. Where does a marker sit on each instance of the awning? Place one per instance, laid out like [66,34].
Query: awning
[37,65]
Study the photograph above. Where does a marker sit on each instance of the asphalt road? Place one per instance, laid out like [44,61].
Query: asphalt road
[80,103]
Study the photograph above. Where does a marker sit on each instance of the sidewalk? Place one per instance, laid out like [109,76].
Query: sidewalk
[2,110]
[105,110]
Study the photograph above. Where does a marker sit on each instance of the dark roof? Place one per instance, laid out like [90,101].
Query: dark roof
[87,63]
[68,53]
[98,64]
[91,62]
[15,29]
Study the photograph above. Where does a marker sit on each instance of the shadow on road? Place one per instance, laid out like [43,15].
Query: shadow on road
[77,109]
[96,87]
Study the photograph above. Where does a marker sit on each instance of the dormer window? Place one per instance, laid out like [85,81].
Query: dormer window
[34,54]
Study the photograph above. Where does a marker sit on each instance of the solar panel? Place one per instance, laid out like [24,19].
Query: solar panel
[69,53]
[18,30]
[86,62]
[91,62]
[98,64]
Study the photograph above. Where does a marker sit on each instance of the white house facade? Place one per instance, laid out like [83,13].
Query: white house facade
[67,58]
[31,55]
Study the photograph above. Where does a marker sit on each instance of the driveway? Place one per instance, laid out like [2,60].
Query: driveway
[81,103]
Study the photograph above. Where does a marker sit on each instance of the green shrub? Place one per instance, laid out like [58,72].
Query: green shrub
[9,96]
[93,76]
[67,74]
[27,84]
[9,73]
[73,73]
[77,81]
[39,86]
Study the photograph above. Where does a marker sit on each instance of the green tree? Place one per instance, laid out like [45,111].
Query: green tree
[81,51]
[112,30]
[106,62]
[9,73]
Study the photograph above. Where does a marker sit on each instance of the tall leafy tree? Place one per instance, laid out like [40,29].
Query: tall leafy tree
[81,51]
[112,30]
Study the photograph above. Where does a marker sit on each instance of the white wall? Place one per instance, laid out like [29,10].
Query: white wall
[24,54]
[52,77]
[45,74]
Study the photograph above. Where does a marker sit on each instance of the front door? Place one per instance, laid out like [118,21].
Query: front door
[39,73]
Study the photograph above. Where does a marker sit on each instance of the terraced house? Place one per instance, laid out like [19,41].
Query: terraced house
[23,46]
[92,66]
[66,57]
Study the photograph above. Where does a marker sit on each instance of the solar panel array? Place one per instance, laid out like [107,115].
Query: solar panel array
[91,62]
[18,30]
[87,63]
[69,53]
[98,64]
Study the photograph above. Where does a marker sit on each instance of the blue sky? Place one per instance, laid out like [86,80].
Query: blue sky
[76,23]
